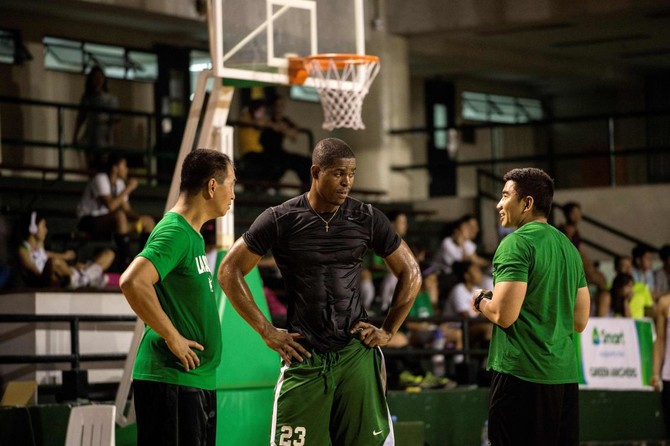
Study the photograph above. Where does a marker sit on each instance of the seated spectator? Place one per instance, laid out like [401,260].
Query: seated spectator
[622,294]
[40,267]
[277,128]
[398,220]
[459,302]
[104,209]
[643,259]
[662,275]
[623,264]
[573,216]
[458,246]
[424,334]
[252,164]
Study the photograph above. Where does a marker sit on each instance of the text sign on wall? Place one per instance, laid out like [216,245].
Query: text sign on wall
[616,353]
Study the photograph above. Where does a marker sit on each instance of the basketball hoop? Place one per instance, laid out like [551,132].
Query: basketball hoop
[343,81]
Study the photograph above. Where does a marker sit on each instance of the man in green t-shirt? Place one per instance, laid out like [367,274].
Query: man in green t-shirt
[540,299]
[169,286]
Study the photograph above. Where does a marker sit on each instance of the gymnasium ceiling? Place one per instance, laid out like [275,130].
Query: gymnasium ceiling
[551,45]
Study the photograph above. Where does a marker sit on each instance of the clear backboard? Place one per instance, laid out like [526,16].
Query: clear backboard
[251,39]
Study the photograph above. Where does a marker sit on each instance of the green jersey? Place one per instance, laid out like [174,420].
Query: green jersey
[539,346]
[186,294]
[422,307]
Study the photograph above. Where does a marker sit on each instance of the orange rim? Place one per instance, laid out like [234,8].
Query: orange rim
[341,60]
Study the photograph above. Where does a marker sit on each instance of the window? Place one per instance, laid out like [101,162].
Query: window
[440,122]
[498,108]
[199,61]
[7,46]
[12,49]
[118,62]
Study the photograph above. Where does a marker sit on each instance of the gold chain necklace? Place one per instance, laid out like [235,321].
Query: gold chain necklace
[327,222]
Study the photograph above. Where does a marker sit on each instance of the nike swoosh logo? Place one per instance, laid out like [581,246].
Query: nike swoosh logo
[375,433]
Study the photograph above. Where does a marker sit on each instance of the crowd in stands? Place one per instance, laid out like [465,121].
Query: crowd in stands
[105,218]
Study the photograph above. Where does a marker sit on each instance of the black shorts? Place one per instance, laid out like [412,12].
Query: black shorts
[171,415]
[526,413]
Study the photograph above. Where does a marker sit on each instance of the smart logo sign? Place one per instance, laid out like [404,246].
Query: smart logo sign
[610,354]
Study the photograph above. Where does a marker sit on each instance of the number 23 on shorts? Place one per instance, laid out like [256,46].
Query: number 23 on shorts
[287,434]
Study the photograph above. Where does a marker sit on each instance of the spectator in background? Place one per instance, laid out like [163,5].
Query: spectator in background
[253,164]
[662,275]
[104,208]
[640,301]
[622,294]
[623,264]
[459,302]
[276,129]
[40,267]
[573,216]
[96,111]
[458,246]
[643,259]
[428,334]
[398,220]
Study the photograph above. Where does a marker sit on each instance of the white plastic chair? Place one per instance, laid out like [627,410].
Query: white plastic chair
[91,426]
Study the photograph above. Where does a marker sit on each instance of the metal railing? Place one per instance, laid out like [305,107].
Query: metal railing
[75,358]
[597,150]
[71,378]
[60,144]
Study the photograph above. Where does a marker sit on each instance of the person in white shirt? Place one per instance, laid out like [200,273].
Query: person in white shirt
[459,302]
[41,267]
[104,208]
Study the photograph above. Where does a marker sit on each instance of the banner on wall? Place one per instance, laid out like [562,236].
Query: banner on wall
[616,353]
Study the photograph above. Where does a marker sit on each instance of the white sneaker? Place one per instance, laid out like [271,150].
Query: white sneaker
[101,282]
[78,279]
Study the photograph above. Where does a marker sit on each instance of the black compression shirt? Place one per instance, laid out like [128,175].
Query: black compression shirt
[321,270]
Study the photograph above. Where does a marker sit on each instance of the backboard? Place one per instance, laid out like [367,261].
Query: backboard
[250,40]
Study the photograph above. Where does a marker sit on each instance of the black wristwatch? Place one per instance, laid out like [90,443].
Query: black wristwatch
[482,295]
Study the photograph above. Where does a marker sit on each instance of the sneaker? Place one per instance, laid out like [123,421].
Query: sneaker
[434,382]
[100,282]
[406,379]
[77,279]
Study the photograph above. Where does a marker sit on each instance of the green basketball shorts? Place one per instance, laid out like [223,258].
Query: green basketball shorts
[336,398]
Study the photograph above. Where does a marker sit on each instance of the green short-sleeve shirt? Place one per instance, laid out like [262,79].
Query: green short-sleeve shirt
[539,345]
[185,291]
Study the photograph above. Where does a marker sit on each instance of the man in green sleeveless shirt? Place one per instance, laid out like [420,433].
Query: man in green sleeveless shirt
[169,286]
[540,299]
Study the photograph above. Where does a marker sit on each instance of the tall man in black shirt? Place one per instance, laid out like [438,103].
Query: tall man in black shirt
[331,388]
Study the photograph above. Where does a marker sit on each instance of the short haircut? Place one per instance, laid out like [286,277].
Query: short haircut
[640,250]
[569,206]
[533,182]
[200,166]
[461,269]
[394,214]
[113,159]
[618,259]
[329,150]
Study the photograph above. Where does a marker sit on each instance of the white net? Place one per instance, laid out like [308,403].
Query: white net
[342,81]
